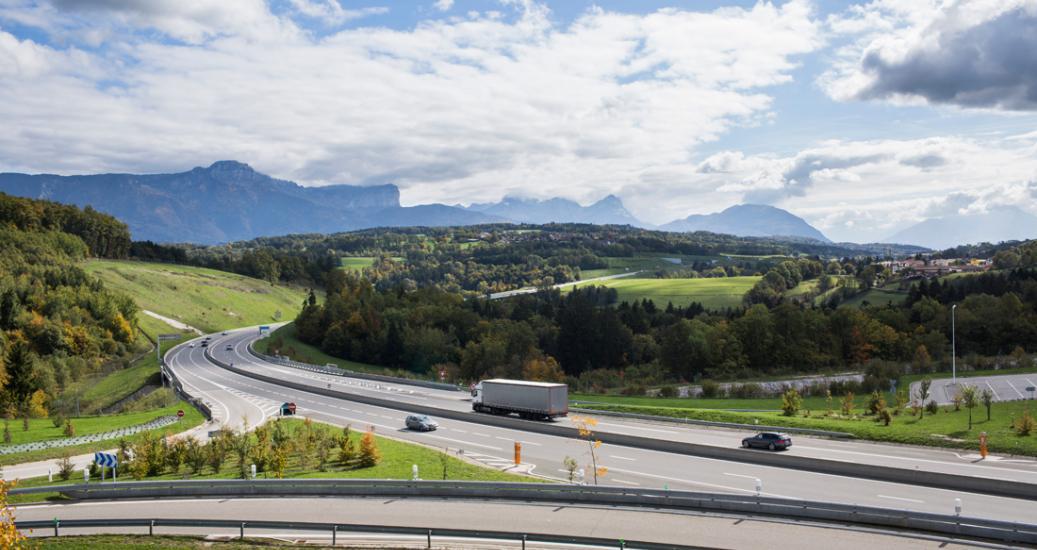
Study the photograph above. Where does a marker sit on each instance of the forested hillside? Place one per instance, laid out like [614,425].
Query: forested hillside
[57,323]
[589,339]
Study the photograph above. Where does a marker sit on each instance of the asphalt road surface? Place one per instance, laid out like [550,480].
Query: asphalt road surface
[234,397]
[674,527]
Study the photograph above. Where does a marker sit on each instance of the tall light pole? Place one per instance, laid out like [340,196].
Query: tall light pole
[954,349]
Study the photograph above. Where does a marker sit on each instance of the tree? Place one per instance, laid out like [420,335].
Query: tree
[10,537]
[369,453]
[571,465]
[196,455]
[847,404]
[217,450]
[922,361]
[583,425]
[987,397]
[21,373]
[346,452]
[923,393]
[65,467]
[968,398]
[876,403]
[791,402]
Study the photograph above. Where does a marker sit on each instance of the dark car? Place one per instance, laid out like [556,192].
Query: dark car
[421,423]
[767,440]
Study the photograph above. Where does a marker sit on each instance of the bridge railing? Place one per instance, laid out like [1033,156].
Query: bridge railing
[956,525]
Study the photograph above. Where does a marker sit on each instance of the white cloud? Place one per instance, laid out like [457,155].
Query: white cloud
[331,12]
[866,190]
[459,110]
[968,53]
[444,5]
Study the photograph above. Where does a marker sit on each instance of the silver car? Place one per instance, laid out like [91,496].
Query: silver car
[421,423]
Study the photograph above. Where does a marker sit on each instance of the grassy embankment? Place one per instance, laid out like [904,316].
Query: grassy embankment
[204,298]
[398,457]
[712,293]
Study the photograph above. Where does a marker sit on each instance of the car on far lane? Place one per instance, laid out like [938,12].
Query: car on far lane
[224,333]
[768,440]
[229,347]
[421,423]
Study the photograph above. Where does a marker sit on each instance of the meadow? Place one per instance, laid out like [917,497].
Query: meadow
[712,293]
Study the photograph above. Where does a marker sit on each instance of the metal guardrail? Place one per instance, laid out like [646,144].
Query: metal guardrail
[335,371]
[954,482]
[955,525]
[335,528]
[712,424]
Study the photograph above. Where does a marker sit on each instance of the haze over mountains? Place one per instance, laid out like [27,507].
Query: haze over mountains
[1001,223]
[229,201]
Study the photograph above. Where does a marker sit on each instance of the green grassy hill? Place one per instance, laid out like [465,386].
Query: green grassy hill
[712,293]
[204,298]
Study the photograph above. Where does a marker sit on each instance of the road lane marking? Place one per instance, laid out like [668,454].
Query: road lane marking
[622,458]
[1011,385]
[465,442]
[480,434]
[625,482]
[693,482]
[914,500]
[741,475]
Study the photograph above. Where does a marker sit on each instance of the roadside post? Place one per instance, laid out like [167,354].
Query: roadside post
[518,453]
[414,472]
[983,444]
[759,486]
[1031,389]
[50,475]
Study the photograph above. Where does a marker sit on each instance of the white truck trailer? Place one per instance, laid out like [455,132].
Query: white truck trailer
[531,400]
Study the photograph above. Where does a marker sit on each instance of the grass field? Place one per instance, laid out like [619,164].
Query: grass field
[712,293]
[288,345]
[877,297]
[398,457]
[144,542]
[204,298]
[42,429]
[946,428]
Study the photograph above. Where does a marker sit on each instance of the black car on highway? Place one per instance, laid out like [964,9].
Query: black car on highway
[768,440]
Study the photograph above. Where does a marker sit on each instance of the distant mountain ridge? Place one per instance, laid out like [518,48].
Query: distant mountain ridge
[229,201]
[749,220]
[609,210]
[1003,223]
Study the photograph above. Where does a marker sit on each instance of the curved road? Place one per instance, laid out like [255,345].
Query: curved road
[234,396]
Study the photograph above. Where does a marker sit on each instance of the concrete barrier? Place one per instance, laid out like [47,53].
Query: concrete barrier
[937,480]
[845,514]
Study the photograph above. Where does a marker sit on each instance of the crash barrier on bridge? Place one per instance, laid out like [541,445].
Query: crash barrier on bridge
[956,525]
[178,388]
[953,482]
[335,371]
[696,422]
[437,534]
[159,422]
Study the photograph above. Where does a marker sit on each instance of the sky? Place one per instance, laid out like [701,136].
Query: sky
[861,117]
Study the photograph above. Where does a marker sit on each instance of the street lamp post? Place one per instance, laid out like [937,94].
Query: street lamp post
[954,349]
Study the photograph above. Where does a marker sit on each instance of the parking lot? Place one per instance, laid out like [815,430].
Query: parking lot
[1008,387]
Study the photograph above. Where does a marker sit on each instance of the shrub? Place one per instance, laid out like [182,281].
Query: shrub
[932,408]
[65,467]
[876,403]
[790,402]
[710,389]
[885,417]
[748,390]
[957,400]
[1025,425]
[58,420]
[369,453]
[346,452]
[847,404]
[633,390]
[70,430]
[668,391]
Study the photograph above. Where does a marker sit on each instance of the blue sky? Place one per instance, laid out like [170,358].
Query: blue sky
[861,117]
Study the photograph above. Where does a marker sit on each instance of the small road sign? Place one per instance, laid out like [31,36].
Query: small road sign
[180,413]
[169,336]
[263,329]
[106,459]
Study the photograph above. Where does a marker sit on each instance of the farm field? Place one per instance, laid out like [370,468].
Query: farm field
[359,263]
[877,297]
[208,299]
[712,293]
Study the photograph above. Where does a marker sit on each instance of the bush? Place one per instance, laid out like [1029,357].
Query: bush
[369,453]
[65,467]
[58,420]
[790,402]
[750,390]
[932,408]
[634,390]
[710,389]
[1025,425]
[668,391]
[876,403]
[885,417]
[70,430]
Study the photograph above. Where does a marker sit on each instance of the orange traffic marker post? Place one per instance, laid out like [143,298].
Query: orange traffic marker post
[518,453]
[983,444]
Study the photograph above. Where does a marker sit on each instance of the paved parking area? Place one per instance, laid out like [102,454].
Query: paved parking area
[1007,387]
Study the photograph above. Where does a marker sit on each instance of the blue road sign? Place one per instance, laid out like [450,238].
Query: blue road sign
[263,329]
[105,459]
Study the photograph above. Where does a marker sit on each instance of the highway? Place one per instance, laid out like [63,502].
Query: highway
[235,396]
[668,527]
[1019,469]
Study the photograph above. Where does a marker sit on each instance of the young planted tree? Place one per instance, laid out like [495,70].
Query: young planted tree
[987,397]
[65,467]
[196,456]
[217,450]
[346,451]
[968,398]
[848,404]
[584,425]
[369,453]
[828,402]
[876,403]
[571,465]
[176,454]
[791,402]
[242,445]
[923,393]
[444,462]
[10,537]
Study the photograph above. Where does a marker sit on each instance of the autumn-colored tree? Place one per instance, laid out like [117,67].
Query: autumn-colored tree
[10,537]
[543,369]
[369,453]
[583,425]
[38,404]
[848,404]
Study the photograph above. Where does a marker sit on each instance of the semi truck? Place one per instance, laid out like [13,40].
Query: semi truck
[530,400]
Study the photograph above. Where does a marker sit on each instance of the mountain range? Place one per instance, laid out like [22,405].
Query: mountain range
[997,224]
[749,220]
[229,201]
